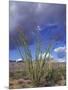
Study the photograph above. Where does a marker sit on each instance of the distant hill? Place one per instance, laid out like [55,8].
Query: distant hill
[17,60]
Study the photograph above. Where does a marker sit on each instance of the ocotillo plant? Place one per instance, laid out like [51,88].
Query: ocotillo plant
[35,69]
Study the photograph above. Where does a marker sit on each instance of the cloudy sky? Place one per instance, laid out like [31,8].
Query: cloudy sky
[48,19]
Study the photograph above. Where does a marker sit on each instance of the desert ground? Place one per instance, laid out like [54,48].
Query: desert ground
[18,78]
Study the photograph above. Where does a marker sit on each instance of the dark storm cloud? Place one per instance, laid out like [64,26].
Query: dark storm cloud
[27,16]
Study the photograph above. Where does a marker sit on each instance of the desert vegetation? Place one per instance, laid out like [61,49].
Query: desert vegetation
[39,72]
[56,76]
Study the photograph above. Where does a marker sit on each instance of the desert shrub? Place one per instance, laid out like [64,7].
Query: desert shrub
[36,69]
[54,76]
